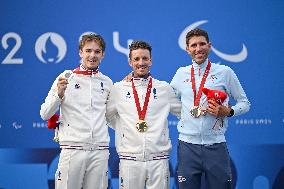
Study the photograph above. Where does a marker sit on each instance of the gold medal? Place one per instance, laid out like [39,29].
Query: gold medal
[195,111]
[141,126]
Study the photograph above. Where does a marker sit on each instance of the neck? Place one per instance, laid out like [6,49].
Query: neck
[87,69]
[200,63]
[141,76]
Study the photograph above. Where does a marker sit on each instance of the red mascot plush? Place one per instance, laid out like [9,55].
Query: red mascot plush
[53,123]
[219,97]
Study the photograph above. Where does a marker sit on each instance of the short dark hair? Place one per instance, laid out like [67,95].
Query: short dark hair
[92,37]
[139,45]
[196,32]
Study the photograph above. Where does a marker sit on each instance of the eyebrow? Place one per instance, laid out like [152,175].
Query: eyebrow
[93,49]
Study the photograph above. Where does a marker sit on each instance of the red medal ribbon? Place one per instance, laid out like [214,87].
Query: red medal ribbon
[197,98]
[85,72]
[142,113]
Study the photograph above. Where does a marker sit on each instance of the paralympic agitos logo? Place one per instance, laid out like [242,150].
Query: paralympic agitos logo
[57,47]
[239,57]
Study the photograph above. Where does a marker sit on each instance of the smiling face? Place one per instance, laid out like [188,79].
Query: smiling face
[140,61]
[91,55]
[198,48]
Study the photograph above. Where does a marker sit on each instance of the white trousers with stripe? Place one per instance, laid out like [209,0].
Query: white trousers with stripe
[79,169]
[152,174]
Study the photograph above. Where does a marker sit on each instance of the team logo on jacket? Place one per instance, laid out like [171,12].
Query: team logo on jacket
[102,87]
[121,182]
[155,93]
[213,77]
[128,95]
[187,80]
[59,175]
[77,86]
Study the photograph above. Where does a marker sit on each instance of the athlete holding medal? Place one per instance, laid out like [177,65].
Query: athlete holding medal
[81,97]
[202,149]
[138,112]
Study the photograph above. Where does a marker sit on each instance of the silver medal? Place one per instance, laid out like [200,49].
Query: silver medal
[68,75]
[195,111]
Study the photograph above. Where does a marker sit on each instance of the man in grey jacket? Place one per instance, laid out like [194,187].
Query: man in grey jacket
[202,145]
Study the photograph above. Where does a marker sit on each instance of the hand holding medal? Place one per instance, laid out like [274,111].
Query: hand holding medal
[62,84]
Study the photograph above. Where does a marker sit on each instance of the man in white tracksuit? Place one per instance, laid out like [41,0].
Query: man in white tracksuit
[138,112]
[81,96]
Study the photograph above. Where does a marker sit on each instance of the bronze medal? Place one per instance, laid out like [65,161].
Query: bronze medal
[195,111]
[141,126]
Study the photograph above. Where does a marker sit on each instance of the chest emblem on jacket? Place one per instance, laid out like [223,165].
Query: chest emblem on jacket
[128,95]
[77,86]
[155,93]
[102,87]
[213,78]
[187,80]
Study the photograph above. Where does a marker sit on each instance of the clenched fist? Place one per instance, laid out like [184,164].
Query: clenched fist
[61,86]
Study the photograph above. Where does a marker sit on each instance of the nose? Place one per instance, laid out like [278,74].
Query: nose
[92,53]
[141,61]
[198,47]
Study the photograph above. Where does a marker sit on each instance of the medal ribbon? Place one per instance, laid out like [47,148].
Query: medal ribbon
[197,98]
[142,113]
[85,72]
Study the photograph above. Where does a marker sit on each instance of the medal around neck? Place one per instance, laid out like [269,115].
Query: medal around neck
[195,111]
[141,126]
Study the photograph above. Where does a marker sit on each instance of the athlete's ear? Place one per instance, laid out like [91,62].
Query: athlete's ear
[80,53]
[130,62]
[209,45]
[187,49]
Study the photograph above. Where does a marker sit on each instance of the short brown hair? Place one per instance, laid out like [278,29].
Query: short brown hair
[139,45]
[92,37]
[196,32]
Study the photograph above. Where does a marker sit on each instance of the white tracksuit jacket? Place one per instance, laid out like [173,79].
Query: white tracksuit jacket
[82,111]
[155,142]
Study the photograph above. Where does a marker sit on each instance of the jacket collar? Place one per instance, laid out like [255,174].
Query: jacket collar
[201,66]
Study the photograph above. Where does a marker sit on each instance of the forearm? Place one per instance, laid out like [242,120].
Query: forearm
[237,92]
[241,107]
[50,107]
[175,103]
